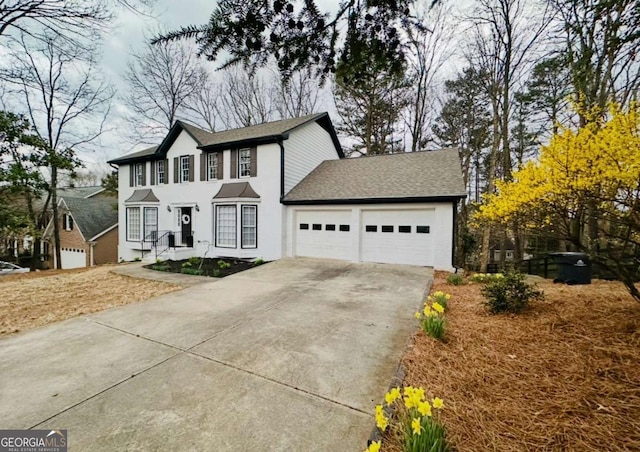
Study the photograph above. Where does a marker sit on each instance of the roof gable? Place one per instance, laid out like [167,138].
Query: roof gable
[92,215]
[405,177]
[269,132]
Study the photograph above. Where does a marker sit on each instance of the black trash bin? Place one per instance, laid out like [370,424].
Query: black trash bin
[573,268]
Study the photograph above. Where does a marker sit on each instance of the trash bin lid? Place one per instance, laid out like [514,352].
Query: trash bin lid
[571,257]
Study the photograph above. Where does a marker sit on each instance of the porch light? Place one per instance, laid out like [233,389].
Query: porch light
[197,208]
[169,208]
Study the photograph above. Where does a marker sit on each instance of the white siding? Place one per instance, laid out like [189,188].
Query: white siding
[201,193]
[305,149]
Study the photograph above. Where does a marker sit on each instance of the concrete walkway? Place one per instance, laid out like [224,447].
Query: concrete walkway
[137,270]
[289,356]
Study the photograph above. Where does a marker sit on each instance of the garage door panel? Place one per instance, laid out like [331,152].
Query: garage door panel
[397,247]
[73,258]
[321,234]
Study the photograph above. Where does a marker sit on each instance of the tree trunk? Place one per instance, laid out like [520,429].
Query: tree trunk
[54,206]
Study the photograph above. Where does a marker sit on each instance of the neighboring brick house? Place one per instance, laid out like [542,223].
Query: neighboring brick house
[88,232]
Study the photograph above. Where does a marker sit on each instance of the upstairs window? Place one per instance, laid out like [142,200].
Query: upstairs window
[212,166]
[244,163]
[139,174]
[184,168]
[67,222]
[161,172]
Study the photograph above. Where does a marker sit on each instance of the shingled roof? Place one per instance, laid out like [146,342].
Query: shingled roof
[269,132]
[92,215]
[406,177]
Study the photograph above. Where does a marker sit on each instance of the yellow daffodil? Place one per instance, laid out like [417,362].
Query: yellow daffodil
[416,426]
[374,446]
[382,422]
[424,408]
[438,307]
[448,296]
[427,310]
[392,396]
[438,403]
[379,409]
[429,298]
[417,315]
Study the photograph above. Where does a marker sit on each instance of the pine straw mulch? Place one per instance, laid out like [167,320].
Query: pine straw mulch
[565,375]
[31,300]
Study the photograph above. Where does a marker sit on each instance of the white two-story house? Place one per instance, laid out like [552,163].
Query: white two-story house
[284,188]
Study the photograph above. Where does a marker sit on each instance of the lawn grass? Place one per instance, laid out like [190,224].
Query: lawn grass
[563,375]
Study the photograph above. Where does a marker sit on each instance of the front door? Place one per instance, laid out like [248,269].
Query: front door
[186,223]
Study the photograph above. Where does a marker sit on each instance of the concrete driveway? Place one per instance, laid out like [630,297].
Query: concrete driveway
[290,356]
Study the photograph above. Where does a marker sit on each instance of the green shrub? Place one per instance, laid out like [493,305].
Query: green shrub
[159,261]
[455,280]
[222,264]
[186,264]
[216,273]
[258,261]
[190,271]
[194,261]
[137,259]
[509,293]
[160,267]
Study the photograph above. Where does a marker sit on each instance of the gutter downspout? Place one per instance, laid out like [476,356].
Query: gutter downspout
[281,144]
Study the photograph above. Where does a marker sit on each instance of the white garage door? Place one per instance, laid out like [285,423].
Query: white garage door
[397,236]
[324,233]
[73,258]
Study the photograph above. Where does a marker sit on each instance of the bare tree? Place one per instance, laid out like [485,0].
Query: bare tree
[67,104]
[297,96]
[506,32]
[74,22]
[161,80]
[429,51]
[245,100]
[201,108]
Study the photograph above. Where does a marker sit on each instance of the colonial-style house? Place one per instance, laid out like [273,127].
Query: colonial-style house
[282,189]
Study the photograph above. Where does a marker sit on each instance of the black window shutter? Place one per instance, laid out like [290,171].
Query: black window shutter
[203,166]
[152,173]
[144,173]
[70,222]
[176,170]
[166,171]
[254,162]
[192,167]
[234,163]
[220,170]
[132,175]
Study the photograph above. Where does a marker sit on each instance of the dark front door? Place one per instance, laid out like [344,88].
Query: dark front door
[186,222]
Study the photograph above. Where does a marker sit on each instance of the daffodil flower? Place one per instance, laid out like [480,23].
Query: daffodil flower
[416,426]
[438,403]
[424,408]
[392,396]
[438,307]
[374,446]
[417,315]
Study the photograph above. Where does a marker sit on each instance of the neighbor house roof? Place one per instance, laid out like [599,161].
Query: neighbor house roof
[92,215]
[269,132]
[406,177]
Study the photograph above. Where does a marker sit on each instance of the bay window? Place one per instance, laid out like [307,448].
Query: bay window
[133,224]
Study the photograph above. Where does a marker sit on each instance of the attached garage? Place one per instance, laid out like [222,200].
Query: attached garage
[396,209]
[73,258]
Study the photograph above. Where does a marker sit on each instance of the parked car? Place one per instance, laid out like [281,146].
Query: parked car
[7,268]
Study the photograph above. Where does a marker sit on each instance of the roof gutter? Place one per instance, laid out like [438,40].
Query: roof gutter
[395,200]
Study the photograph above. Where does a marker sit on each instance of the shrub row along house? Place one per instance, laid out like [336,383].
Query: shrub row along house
[285,188]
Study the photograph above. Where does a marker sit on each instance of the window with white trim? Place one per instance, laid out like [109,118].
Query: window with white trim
[133,224]
[244,163]
[226,226]
[184,168]
[249,223]
[139,171]
[67,221]
[212,166]
[160,171]
[150,223]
